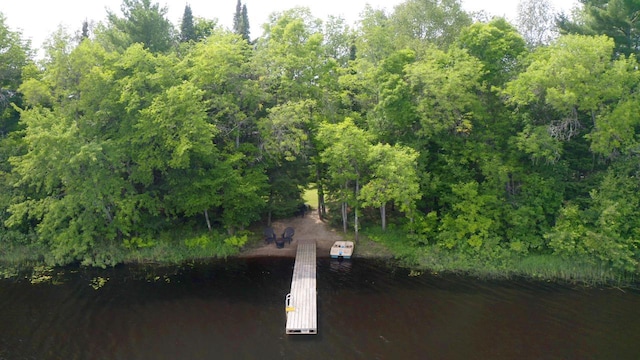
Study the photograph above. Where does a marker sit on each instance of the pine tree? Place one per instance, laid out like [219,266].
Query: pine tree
[245,23]
[241,21]
[237,18]
[85,30]
[143,22]
[187,30]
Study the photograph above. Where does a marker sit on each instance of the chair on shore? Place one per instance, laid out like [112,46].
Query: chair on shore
[288,233]
[269,235]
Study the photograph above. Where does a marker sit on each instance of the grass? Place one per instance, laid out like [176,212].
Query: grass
[310,197]
[434,259]
[554,267]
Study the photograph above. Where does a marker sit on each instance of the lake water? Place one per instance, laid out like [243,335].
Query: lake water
[234,309]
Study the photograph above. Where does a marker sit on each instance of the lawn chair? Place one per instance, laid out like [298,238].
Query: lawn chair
[269,235]
[287,235]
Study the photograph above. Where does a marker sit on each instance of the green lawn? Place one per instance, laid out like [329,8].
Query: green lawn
[311,197]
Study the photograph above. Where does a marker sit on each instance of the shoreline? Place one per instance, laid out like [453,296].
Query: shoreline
[310,227]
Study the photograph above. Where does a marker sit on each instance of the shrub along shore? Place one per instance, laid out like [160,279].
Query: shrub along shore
[21,260]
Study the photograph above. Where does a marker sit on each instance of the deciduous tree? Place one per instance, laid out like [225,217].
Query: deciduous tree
[394,179]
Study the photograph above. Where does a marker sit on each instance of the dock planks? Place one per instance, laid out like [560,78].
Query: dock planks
[301,302]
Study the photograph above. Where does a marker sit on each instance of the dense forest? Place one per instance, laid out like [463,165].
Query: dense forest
[456,139]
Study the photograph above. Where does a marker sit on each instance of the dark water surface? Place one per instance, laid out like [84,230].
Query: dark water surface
[234,309]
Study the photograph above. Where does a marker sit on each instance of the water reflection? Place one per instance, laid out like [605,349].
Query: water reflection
[367,310]
[340,265]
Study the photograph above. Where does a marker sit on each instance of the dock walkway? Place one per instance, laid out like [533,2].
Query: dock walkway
[301,302]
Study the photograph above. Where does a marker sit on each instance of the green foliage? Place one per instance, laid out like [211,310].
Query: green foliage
[568,76]
[217,242]
[419,22]
[497,45]
[345,148]
[203,28]
[143,23]
[445,89]
[486,152]
[607,231]
[472,224]
[289,56]
[174,128]
[236,240]
[374,42]
[138,243]
[241,21]
[394,117]
[393,179]
[284,130]
[244,194]
[14,56]
[187,28]
[616,19]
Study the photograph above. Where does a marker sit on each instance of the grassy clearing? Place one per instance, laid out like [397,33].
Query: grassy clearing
[310,197]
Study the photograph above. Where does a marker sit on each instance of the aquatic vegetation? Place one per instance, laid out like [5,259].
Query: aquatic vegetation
[41,274]
[98,282]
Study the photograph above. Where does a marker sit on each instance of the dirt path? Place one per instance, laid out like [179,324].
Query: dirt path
[308,227]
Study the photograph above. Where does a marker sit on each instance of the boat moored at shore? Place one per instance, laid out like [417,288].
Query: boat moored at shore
[342,249]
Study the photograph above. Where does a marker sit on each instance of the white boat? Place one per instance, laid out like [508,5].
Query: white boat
[342,249]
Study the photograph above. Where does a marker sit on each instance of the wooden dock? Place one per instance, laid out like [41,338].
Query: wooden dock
[301,302]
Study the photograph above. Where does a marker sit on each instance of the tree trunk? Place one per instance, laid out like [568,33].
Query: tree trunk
[206,217]
[322,212]
[344,217]
[345,206]
[356,210]
[383,216]
[269,203]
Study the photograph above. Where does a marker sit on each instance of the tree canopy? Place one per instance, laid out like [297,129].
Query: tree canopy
[470,139]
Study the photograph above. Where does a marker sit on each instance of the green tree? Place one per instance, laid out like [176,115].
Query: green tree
[241,21]
[339,40]
[374,41]
[573,79]
[289,56]
[221,67]
[394,178]
[143,22]
[203,28]
[445,89]
[284,130]
[14,56]
[14,60]
[394,118]
[617,19]
[420,22]
[345,151]
[472,224]
[497,45]
[607,231]
[187,28]
[85,30]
